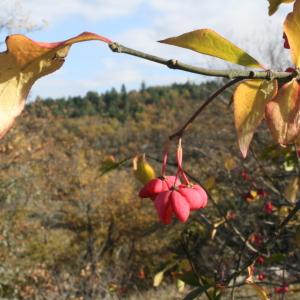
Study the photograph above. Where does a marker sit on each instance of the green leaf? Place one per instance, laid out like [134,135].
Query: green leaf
[207,41]
[276,258]
[197,292]
[274,4]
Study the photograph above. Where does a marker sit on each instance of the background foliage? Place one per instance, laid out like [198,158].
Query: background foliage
[69,233]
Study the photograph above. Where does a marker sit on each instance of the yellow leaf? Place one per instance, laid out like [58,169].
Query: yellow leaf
[229,163]
[22,64]
[215,228]
[274,4]
[292,189]
[262,294]
[180,285]
[253,194]
[158,278]
[292,30]
[282,113]
[250,99]
[209,183]
[142,169]
[207,41]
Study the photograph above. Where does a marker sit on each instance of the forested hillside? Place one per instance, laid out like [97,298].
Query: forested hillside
[67,232]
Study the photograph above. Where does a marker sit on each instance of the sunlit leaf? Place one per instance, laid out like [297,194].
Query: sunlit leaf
[291,190]
[207,41]
[215,228]
[282,113]
[22,64]
[180,285]
[274,4]
[261,293]
[292,31]
[250,99]
[142,170]
[158,278]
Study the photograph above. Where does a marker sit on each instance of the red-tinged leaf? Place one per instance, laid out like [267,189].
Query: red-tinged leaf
[23,63]
[250,99]
[292,31]
[282,113]
[274,4]
[207,41]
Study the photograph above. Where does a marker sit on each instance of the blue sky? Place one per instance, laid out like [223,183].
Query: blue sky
[138,24]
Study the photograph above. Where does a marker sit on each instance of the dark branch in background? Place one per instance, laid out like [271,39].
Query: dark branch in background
[180,132]
[268,243]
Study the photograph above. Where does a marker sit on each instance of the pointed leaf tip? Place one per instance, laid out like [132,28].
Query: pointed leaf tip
[250,99]
[209,42]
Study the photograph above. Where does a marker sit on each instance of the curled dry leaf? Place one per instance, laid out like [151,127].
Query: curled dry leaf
[23,63]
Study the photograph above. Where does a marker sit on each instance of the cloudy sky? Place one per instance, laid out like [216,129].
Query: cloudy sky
[137,24]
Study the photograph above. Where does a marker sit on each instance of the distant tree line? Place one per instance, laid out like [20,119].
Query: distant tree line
[119,104]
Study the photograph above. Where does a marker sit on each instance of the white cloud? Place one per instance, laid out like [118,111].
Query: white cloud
[239,21]
[92,10]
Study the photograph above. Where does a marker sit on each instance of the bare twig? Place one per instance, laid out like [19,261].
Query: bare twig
[213,96]
[230,74]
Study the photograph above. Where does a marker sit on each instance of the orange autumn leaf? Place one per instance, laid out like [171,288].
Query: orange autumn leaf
[250,99]
[292,31]
[22,64]
[260,291]
[283,115]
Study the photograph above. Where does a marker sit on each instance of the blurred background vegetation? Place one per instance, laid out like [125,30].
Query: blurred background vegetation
[69,232]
